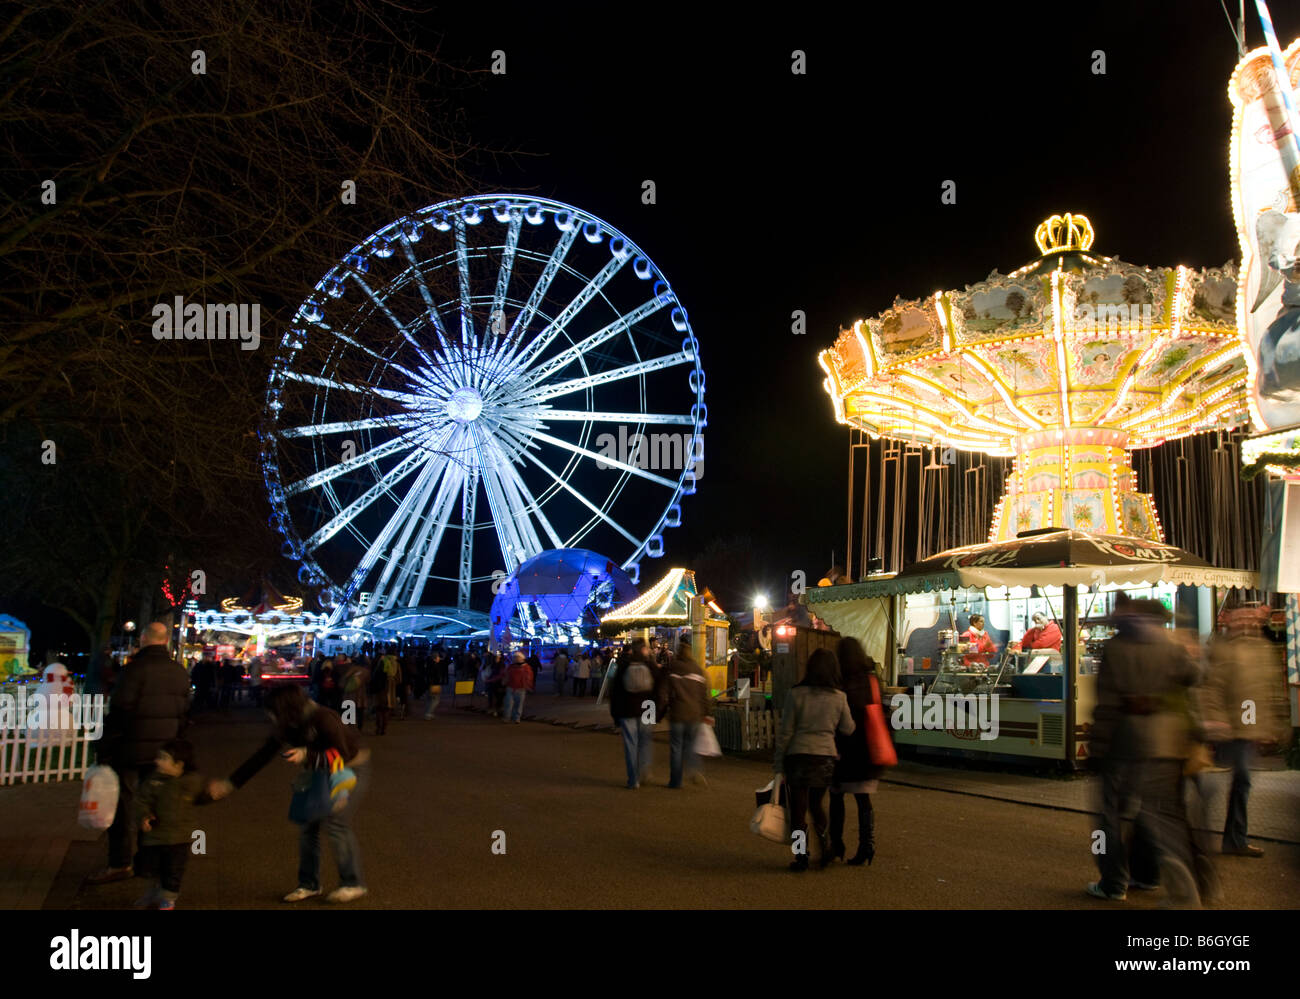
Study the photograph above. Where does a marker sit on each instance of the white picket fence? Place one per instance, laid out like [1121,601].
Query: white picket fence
[740,730]
[40,756]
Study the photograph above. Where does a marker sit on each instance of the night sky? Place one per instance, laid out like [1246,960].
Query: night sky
[821,192]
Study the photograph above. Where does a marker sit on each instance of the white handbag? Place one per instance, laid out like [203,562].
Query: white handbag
[706,741]
[770,820]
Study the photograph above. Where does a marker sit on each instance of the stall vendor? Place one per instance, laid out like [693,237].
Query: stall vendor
[982,646]
[1044,635]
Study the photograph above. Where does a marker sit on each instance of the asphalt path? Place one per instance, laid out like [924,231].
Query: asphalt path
[443,793]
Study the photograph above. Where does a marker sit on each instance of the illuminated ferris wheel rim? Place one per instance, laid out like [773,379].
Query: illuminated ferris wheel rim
[469,397]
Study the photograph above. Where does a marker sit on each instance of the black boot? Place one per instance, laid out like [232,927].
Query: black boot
[837,826]
[827,854]
[866,832]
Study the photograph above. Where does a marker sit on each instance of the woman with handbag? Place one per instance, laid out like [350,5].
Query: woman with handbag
[855,771]
[327,793]
[815,710]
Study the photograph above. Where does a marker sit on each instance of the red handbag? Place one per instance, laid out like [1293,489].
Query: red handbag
[879,743]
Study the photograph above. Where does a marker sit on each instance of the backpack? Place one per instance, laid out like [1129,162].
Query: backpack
[99,797]
[638,679]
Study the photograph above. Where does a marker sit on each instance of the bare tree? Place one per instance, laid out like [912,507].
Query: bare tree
[201,150]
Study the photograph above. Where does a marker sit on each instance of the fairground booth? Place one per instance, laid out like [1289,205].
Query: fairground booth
[674,610]
[917,625]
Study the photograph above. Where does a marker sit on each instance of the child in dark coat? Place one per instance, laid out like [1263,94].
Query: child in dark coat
[165,812]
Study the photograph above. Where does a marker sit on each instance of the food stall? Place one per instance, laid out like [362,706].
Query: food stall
[674,610]
[1021,704]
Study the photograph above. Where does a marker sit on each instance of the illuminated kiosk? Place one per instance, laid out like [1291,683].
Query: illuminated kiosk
[1066,365]
[557,595]
[916,617]
[675,603]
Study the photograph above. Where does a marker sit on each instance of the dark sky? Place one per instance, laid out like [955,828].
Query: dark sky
[821,192]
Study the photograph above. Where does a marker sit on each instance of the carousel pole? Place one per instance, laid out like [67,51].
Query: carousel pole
[1071,669]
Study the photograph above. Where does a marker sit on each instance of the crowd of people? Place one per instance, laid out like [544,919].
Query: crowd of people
[1160,701]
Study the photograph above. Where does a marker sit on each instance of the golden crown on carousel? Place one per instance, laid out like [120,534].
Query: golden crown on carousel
[1064,232]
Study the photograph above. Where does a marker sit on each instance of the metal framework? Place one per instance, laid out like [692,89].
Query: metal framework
[492,345]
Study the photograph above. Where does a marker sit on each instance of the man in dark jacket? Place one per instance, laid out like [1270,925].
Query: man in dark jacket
[635,706]
[149,706]
[689,704]
[1139,738]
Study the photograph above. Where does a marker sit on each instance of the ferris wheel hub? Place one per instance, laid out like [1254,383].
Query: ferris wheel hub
[464,405]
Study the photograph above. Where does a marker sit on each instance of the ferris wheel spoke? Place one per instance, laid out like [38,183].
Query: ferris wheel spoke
[571,353]
[396,556]
[401,327]
[469,503]
[467,333]
[400,443]
[434,316]
[345,516]
[498,315]
[347,426]
[407,398]
[545,392]
[566,315]
[414,376]
[403,512]
[544,414]
[435,526]
[524,501]
[507,528]
[516,537]
[525,317]
[604,459]
[585,502]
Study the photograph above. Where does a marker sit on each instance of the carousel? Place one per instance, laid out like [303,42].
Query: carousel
[1065,366]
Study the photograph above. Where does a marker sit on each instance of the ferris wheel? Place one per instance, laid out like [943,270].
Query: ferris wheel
[477,382]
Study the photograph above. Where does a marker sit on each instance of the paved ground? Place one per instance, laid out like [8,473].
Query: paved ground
[575,837]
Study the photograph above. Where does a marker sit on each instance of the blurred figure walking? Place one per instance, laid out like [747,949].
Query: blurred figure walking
[635,703]
[386,687]
[689,705]
[1237,708]
[1140,736]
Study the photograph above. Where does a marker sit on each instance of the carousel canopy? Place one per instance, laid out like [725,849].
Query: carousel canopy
[1052,558]
[1066,364]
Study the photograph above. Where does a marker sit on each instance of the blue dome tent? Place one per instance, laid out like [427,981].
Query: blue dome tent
[559,589]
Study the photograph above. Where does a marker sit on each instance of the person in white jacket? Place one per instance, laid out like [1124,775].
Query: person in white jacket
[815,709]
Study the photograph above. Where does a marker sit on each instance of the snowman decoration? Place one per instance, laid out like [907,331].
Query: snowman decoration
[50,719]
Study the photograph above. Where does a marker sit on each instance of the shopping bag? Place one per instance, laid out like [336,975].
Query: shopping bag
[879,742]
[770,821]
[311,800]
[706,741]
[99,796]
